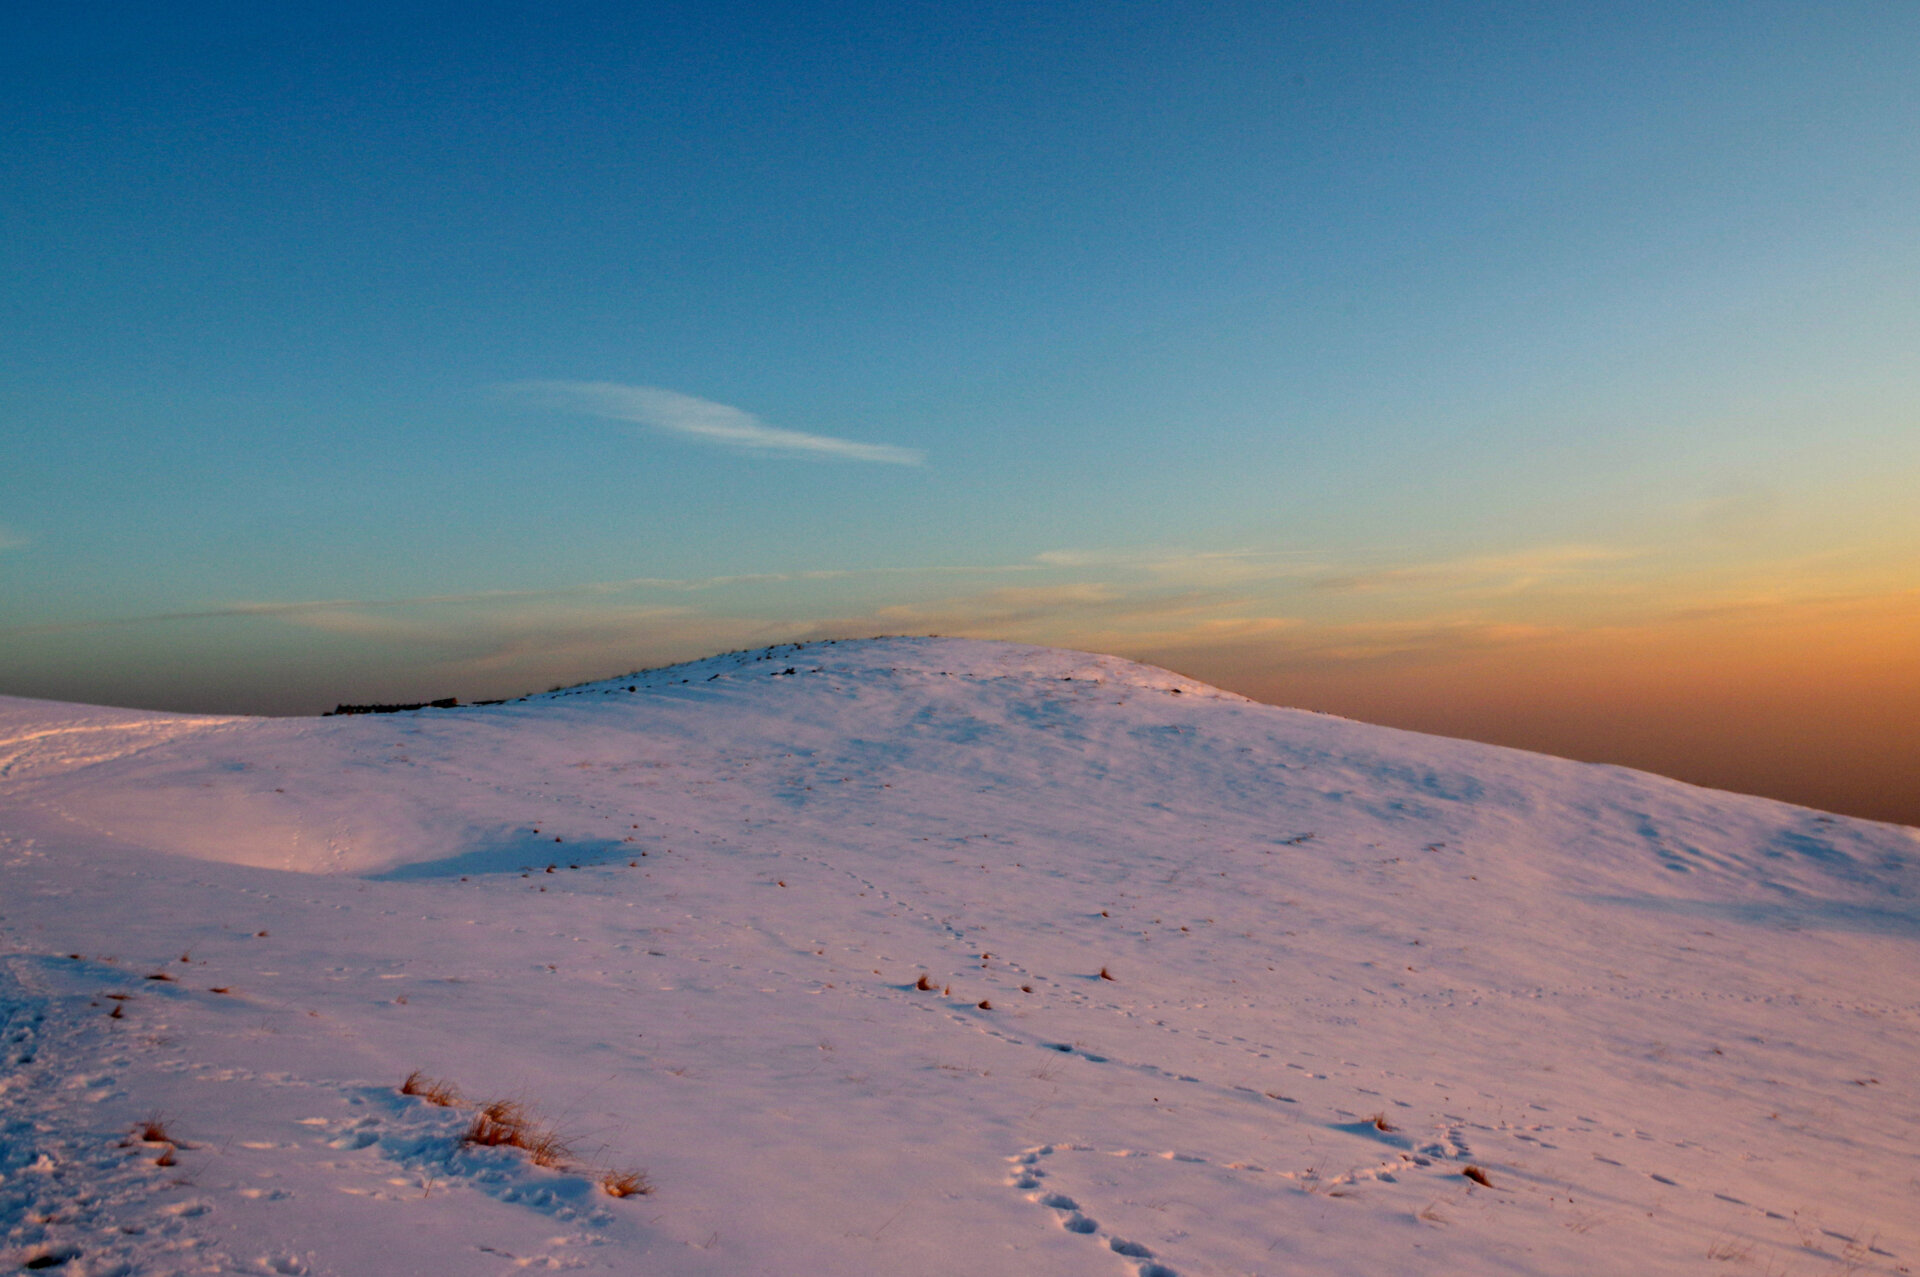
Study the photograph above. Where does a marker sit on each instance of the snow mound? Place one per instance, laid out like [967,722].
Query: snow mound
[929,657]
[946,721]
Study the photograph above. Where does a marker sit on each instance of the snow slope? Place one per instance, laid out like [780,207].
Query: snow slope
[682,915]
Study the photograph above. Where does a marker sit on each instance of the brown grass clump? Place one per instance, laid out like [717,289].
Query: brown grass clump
[152,1131]
[431,1089]
[1478,1176]
[546,1148]
[502,1122]
[1380,1122]
[1107,975]
[508,1124]
[923,984]
[627,1183]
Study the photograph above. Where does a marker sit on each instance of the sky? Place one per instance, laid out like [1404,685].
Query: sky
[1539,373]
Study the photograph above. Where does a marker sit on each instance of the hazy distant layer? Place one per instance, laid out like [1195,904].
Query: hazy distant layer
[1817,704]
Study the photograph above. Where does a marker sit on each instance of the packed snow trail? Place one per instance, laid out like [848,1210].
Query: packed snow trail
[1209,987]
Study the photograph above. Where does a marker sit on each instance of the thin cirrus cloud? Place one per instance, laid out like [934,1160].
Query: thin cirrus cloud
[700,419]
[296,609]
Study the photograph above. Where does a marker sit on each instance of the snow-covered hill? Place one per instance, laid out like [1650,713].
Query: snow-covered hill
[1216,987]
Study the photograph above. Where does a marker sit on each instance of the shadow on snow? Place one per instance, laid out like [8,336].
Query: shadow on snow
[513,853]
[1801,915]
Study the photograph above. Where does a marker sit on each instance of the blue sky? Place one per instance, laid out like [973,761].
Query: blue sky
[359,351]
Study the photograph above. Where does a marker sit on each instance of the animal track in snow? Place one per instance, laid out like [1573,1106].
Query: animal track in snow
[1031,1172]
[1027,1175]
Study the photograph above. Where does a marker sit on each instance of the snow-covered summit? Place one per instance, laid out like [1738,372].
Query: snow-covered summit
[926,657]
[938,956]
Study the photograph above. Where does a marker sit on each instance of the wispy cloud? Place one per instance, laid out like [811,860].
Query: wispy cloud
[298,609]
[701,419]
[1494,573]
[1187,567]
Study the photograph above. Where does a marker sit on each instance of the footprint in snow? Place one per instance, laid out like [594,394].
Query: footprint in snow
[1025,1173]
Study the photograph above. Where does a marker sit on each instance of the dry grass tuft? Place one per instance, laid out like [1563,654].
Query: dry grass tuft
[1107,975]
[508,1124]
[431,1089]
[488,1133]
[152,1131]
[1380,1122]
[626,1183]
[546,1148]
[923,984]
[1478,1176]
[503,1122]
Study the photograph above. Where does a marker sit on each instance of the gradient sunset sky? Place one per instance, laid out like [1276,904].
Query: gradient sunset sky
[1543,373]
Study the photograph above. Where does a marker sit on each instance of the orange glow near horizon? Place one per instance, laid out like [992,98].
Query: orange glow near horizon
[1757,681]
[1814,703]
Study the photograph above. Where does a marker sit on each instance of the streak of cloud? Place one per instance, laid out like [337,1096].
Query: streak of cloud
[701,419]
[1187,567]
[297,609]
[1497,573]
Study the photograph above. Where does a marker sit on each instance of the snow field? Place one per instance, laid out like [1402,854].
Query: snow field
[686,924]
